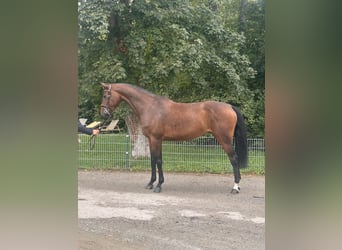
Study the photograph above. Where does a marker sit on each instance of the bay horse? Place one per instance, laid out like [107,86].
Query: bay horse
[163,119]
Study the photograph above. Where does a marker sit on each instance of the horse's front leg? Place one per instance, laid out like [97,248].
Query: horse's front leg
[153,172]
[160,173]
[156,161]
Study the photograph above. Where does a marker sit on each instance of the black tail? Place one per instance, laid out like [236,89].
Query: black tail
[241,147]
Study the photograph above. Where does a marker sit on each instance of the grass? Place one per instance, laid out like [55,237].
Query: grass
[110,152]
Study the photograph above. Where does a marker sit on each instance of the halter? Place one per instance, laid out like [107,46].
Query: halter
[106,109]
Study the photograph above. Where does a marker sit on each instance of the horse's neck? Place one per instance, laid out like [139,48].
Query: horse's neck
[133,97]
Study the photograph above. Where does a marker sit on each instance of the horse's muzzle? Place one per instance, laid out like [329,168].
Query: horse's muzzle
[105,113]
[104,116]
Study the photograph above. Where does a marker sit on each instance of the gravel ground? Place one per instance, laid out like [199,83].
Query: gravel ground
[193,211]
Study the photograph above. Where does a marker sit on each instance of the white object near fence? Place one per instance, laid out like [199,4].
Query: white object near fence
[139,143]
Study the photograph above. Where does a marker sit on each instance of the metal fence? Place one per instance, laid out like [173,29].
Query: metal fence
[203,154]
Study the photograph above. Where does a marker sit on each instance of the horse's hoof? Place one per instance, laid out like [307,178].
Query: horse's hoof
[157,189]
[149,186]
[235,191]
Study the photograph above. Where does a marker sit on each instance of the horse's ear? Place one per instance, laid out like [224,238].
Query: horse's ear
[105,86]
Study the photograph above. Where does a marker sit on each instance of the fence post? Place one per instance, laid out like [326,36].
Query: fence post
[127,149]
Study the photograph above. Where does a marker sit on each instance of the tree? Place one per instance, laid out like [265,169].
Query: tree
[188,51]
[253,28]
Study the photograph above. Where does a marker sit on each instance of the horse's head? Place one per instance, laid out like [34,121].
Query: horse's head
[110,100]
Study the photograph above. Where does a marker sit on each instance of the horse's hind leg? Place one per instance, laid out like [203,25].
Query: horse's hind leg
[234,161]
[228,148]
[237,176]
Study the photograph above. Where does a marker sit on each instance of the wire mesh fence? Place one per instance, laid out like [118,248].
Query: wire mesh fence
[203,154]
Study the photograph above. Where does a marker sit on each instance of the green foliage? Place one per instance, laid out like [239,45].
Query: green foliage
[185,50]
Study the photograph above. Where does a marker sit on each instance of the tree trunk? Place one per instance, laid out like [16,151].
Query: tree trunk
[139,143]
[242,16]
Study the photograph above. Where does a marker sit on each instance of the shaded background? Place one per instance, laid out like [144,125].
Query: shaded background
[303,125]
[38,173]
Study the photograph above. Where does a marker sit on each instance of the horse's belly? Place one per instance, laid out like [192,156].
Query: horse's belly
[185,133]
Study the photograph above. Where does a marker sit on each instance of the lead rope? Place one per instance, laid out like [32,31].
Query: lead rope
[92,139]
[92,142]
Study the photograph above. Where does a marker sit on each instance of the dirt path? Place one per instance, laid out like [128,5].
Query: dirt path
[191,212]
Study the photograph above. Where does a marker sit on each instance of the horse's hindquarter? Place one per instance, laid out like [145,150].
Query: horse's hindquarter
[222,118]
